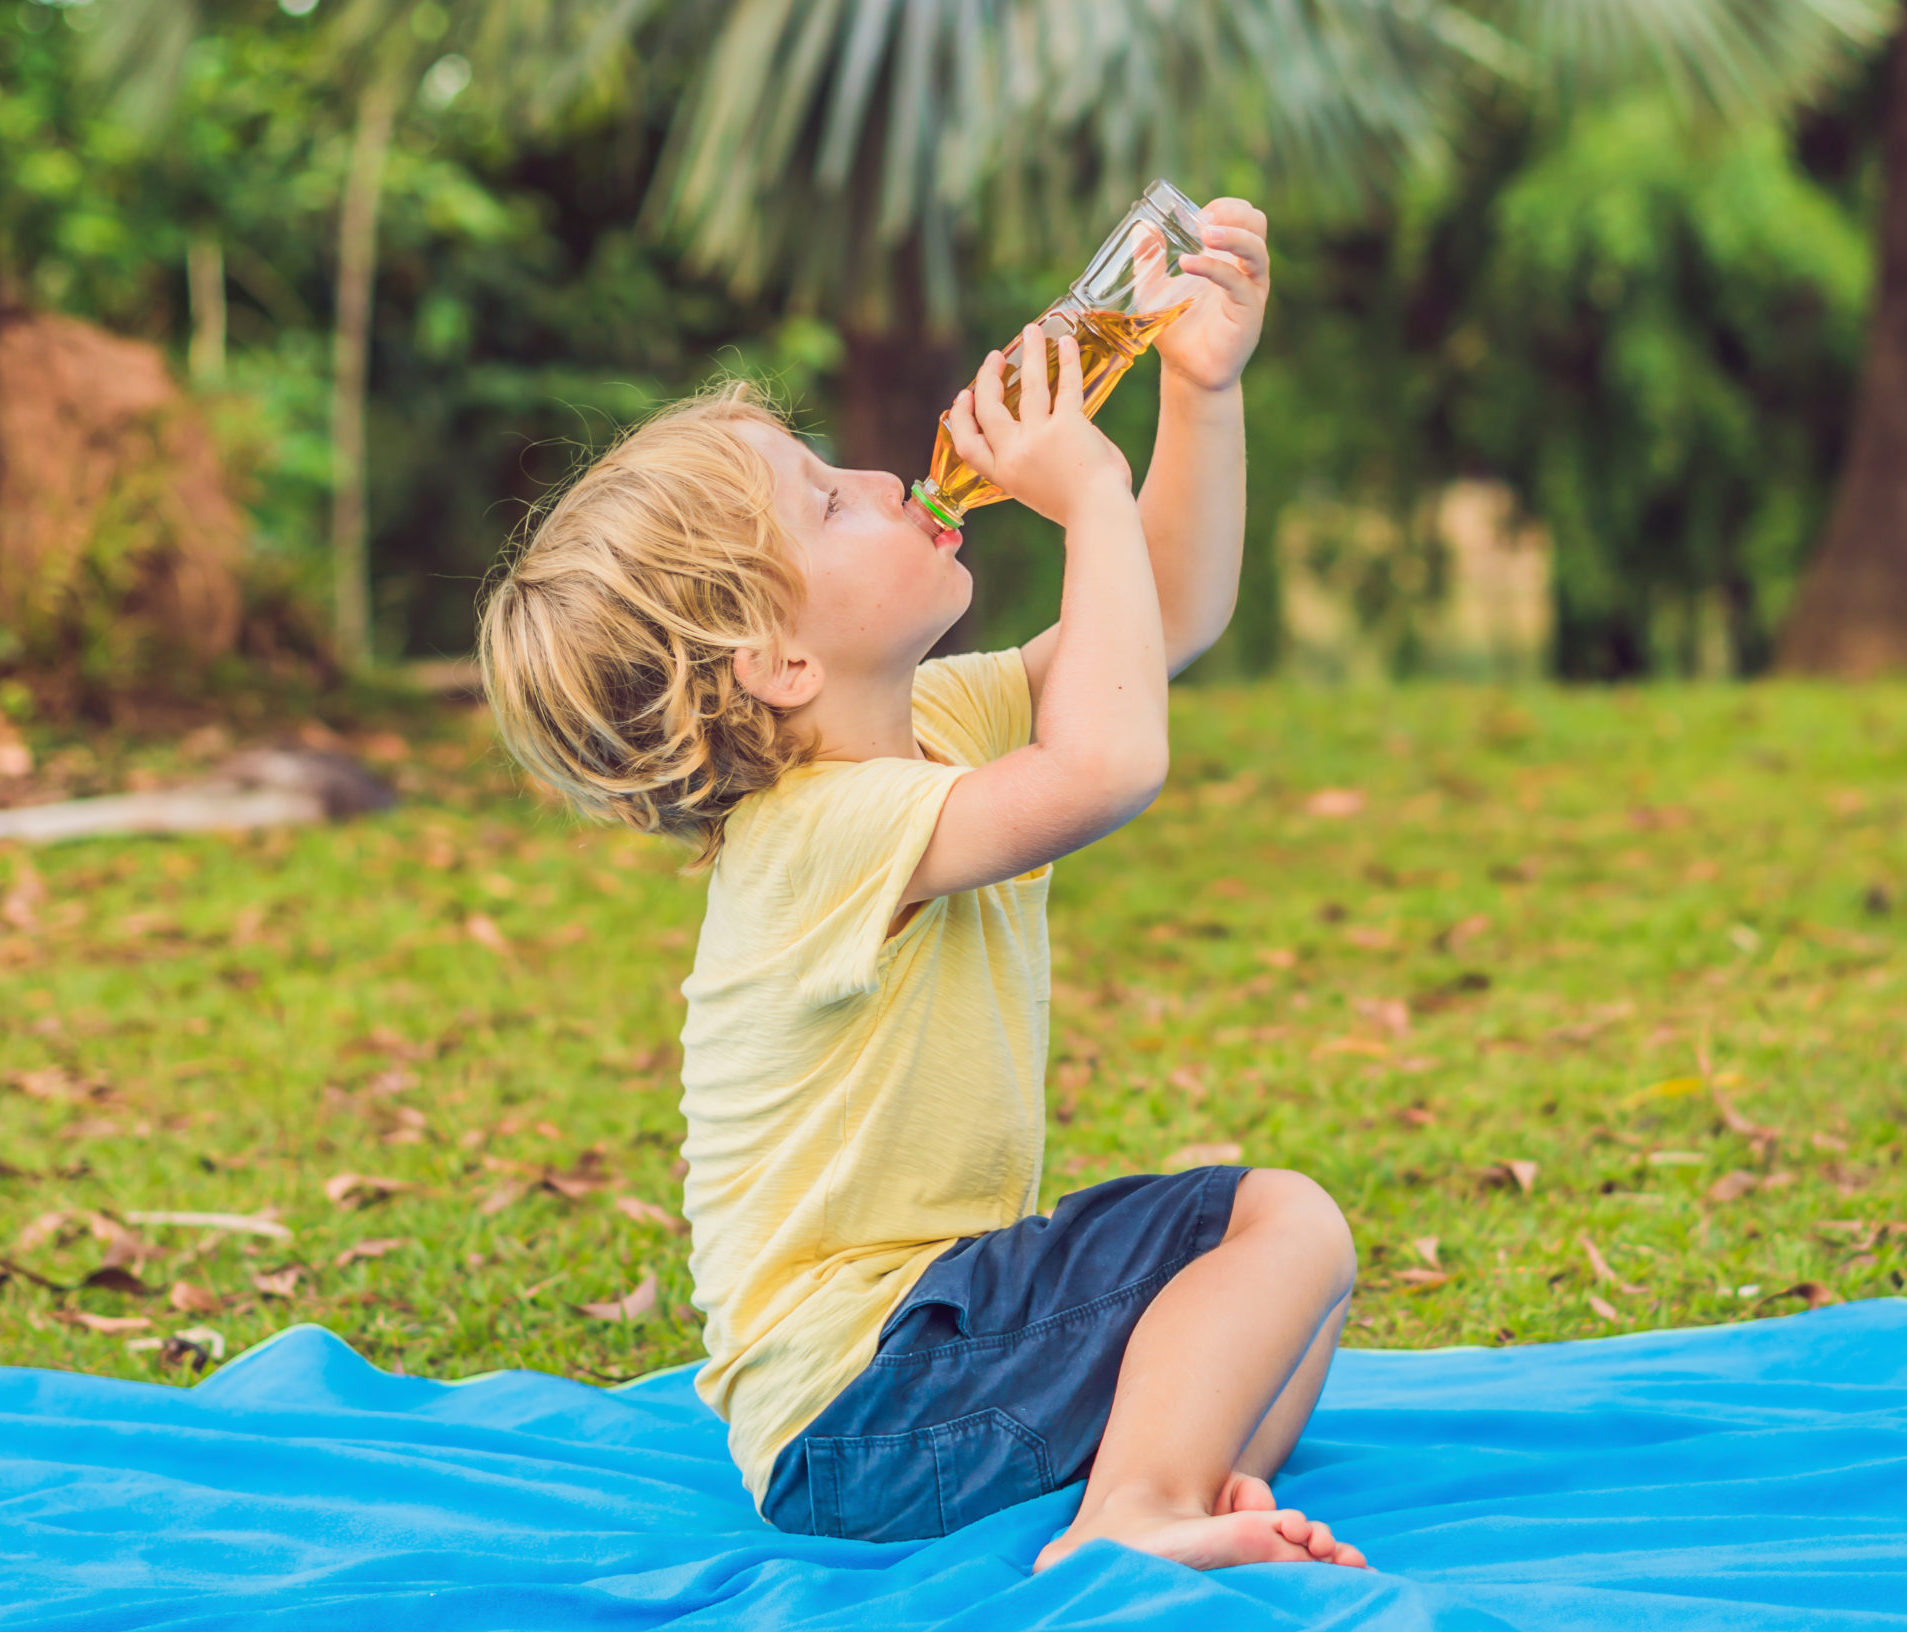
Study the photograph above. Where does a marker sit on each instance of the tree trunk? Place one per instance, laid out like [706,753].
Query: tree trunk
[1851,616]
[205,287]
[350,366]
[896,384]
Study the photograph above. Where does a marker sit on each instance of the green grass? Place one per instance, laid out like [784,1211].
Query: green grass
[1560,923]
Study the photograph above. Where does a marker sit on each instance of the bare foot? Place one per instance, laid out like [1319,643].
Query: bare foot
[1210,1541]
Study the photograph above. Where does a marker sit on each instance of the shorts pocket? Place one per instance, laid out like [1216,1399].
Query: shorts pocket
[905,1487]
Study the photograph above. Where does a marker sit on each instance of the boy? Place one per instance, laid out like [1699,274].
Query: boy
[717,636]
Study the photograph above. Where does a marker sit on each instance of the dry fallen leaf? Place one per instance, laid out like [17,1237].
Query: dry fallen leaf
[647,1212]
[1392,1013]
[383,748]
[122,1246]
[1423,1280]
[112,1278]
[1600,1266]
[1732,1186]
[1848,1180]
[51,1082]
[1603,1307]
[21,906]
[1524,1173]
[194,1300]
[1425,1246]
[1187,1079]
[1336,802]
[360,1189]
[1755,1132]
[394,1080]
[482,929]
[631,1306]
[581,1181]
[505,1195]
[381,1039]
[1352,1045]
[1813,1293]
[279,1283]
[375,1248]
[41,1229]
[91,1127]
[1220,1153]
[1464,929]
[102,1323]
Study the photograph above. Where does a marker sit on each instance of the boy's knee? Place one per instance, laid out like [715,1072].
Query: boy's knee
[1292,1207]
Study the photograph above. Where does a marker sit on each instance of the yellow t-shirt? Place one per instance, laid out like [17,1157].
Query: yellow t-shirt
[855,1103]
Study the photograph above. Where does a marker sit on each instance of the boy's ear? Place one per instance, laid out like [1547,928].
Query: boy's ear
[788,684]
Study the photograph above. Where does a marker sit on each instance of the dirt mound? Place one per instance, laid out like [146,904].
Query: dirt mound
[121,546]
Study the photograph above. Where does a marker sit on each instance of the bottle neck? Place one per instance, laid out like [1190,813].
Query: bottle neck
[1077,311]
[936,504]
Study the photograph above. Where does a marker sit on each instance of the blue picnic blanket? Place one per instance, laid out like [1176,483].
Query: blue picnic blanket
[1747,1477]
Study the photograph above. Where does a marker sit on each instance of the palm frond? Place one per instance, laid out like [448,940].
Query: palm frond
[1738,60]
[137,52]
[875,123]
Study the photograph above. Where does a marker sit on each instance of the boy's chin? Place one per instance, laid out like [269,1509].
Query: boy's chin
[939,634]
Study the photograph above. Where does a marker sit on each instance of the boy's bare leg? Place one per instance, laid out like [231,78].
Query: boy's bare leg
[1201,1391]
[1250,1483]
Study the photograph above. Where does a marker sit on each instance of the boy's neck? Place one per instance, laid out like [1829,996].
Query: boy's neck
[864,717]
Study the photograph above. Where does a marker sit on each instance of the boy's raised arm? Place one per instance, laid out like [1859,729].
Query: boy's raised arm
[1102,750]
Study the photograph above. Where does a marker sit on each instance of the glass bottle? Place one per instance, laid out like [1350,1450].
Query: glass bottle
[1131,289]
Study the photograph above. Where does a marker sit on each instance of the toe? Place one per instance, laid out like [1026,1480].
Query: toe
[1293,1526]
[1245,1493]
[1323,1544]
[1347,1554]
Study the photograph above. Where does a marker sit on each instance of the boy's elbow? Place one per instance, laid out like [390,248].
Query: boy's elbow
[1120,781]
[1137,777]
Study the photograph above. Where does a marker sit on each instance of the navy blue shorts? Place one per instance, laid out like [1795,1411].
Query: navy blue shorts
[993,1379]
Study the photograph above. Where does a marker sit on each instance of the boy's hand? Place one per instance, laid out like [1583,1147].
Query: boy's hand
[1051,457]
[1210,345]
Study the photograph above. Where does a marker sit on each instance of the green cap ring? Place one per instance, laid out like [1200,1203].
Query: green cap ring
[934,507]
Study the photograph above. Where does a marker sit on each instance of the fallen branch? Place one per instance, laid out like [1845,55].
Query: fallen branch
[262,787]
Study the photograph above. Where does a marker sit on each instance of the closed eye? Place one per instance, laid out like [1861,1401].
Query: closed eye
[834,502]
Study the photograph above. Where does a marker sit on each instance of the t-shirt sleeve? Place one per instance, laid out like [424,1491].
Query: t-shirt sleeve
[863,831]
[977,705]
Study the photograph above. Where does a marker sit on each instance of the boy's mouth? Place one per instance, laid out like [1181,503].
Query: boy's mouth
[944,537]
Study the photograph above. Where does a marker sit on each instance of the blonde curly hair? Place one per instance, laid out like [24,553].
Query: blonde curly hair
[607,645]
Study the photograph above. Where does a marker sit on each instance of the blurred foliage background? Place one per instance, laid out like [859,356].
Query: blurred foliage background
[1609,265]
